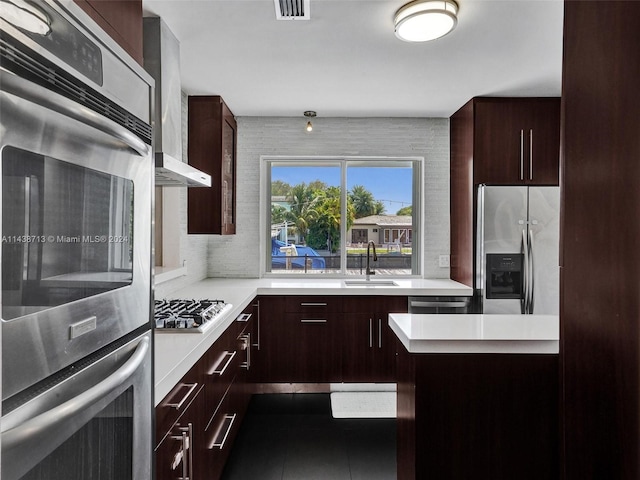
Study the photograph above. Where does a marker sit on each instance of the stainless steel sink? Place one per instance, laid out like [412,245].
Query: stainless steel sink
[370,283]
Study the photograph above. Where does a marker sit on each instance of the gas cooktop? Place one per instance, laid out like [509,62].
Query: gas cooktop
[187,316]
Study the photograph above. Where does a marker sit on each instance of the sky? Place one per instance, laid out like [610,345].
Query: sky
[392,186]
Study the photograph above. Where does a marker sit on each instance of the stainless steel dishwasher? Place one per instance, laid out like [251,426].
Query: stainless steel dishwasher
[440,304]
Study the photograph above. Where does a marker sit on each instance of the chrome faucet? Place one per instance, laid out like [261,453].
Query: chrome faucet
[369,271]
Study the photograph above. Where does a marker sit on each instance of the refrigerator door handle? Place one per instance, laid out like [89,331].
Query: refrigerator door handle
[524,296]
[531,280]
[521,154]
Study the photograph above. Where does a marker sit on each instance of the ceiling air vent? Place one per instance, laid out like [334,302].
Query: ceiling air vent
[292,9]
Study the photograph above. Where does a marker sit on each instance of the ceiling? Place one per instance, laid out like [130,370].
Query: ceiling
[346,61]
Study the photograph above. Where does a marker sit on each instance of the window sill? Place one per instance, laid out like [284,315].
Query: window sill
[164,274]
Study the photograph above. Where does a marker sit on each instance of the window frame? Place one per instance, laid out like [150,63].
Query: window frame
[418,164]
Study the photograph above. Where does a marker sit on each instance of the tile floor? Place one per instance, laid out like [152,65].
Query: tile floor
[294,437]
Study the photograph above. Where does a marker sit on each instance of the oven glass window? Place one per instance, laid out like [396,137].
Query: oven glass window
[67,232]
[101,450]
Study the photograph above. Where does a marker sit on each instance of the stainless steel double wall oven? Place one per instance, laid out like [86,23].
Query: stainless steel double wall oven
[77,194]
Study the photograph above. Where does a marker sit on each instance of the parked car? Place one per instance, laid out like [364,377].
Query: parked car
[303,253]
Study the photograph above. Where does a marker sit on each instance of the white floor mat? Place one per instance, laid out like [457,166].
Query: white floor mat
[363,404]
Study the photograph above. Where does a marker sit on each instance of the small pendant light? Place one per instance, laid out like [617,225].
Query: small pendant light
[309,114]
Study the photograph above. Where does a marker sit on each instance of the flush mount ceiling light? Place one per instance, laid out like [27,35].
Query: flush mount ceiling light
[424,20]
[309,114]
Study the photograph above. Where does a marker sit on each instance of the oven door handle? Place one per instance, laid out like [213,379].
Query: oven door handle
[31,92]
[14,435]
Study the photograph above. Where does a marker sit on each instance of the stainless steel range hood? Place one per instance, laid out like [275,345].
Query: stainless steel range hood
[162,62]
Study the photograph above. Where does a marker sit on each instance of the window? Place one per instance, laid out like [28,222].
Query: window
[323,212]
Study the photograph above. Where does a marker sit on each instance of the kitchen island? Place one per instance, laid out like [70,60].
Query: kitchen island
[477,396]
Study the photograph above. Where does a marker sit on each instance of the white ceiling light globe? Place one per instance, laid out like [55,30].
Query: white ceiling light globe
[424,20]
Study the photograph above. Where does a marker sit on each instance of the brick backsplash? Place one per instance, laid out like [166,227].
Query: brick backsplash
[239,255]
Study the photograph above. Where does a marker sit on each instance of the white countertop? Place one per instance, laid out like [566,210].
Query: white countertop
[176,353]
[475,333]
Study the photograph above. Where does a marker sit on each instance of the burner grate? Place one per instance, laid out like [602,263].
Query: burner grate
[187,315]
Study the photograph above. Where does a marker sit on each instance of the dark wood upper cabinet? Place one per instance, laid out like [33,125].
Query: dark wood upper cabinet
[516,141]
[121,19]
[212,149]
[497,141]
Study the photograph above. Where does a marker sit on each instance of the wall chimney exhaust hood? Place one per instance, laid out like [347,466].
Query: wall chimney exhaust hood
[162,62]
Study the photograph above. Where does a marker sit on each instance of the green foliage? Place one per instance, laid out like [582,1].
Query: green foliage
[363,202]
[278,214]
[304,201]
[405,211]
[280,188]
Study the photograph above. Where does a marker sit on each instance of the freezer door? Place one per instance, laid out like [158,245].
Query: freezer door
[544,236]
[502,219]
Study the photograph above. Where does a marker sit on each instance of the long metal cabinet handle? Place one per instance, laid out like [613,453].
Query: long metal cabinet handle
[313,304]
[521,154]
[220,445]
[14,435]
[313,320]
[531,154]
[41,96]
[370,332]
[187,444]
[531,271]
[178,405]
[454,304]
[246,338]
[257,344]
[180,457]
[379,333]
[229,356]
[524,299]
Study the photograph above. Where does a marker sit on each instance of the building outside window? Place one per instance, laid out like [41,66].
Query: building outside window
[322,212]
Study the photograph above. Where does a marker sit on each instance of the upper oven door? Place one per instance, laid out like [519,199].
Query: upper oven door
[76,217]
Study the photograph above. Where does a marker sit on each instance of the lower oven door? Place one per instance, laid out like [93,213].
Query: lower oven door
[94,423]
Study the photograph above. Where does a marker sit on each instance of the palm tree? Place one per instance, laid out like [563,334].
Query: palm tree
[303,201]
[363,202]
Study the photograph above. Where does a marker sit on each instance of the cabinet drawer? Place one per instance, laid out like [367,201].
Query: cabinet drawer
[222,431]
[177,401]
[178,455]
[222,363]
[312,306]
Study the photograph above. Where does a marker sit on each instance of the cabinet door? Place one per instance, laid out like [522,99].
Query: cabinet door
[228,175]
[369,345]
[500,142]
[212,149]
[543,143]
[364,358]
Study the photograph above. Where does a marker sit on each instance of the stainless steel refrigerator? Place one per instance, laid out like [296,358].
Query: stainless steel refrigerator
[517,249]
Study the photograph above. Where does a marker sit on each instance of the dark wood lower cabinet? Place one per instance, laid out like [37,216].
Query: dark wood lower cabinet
[300,340]
[478,416]
[198,421]
[369,345]
[327,339]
